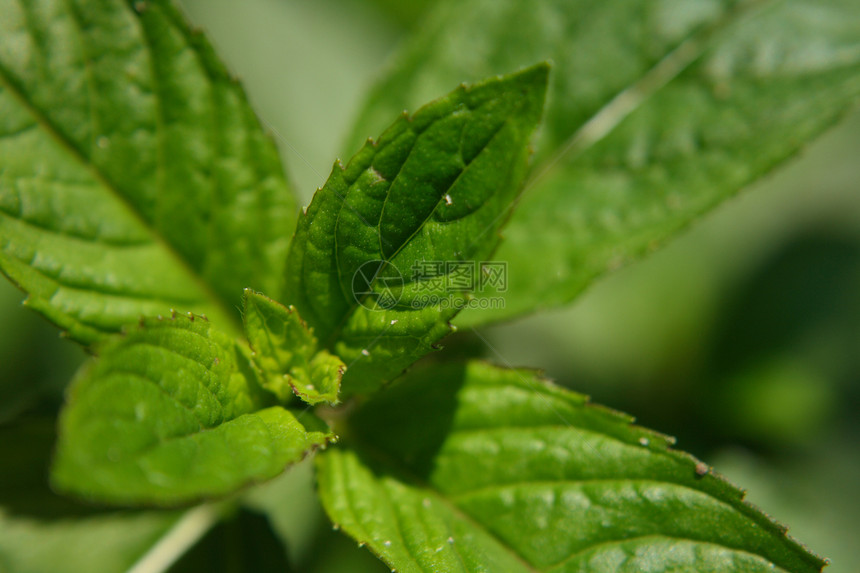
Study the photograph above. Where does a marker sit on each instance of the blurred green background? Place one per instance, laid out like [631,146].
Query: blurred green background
[740,338]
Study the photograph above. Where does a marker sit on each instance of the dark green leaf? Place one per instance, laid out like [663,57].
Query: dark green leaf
[170,413]
[34,363]
[134,177]
[435,188]
[500,471]
[286,352]
[657,112]
[244,542]
[25,447]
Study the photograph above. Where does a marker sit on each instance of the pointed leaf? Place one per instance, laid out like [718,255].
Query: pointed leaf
[321,381]
[435,187]
[501,471]
[657,112]
[170,413]
[134,177]
[286,351]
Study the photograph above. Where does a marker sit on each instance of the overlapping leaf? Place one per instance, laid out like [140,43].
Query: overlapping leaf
[134,177]
[657,112]
[499,471]
[173,412]
[434,189]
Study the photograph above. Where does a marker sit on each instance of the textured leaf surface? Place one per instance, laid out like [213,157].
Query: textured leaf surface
[134,177]
[435,187]
[170,413]
[657,111]
[286,351]
[500,471]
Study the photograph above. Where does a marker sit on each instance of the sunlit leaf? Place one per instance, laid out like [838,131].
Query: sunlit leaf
[500,471]
[134,176]
[170,413]
[434,189]
[657,111]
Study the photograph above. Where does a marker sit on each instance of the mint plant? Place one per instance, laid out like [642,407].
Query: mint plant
[145,212]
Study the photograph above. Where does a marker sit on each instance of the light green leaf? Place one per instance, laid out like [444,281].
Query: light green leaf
[170,413]
[435,188]
[657,112]
[321,381]
[499,470]
[104,543]
[134,176]
[286,351]
[43,532]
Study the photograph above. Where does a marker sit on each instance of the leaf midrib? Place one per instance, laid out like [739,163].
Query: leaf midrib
[336,333]
[232,324]
[610,542]
[738,506]
[387,461]
[603,121]
[384,459]
[725,504]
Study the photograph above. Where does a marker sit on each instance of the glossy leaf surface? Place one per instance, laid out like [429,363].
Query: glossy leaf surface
[134,176]
[657,111]
[434,190]
[500,471]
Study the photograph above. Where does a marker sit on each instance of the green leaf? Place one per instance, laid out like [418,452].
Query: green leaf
[435,188]
[134,176]
[170,413]
[41,531]
[286,351]
[502,471]
[657,112]
[98,544]
[321,381]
